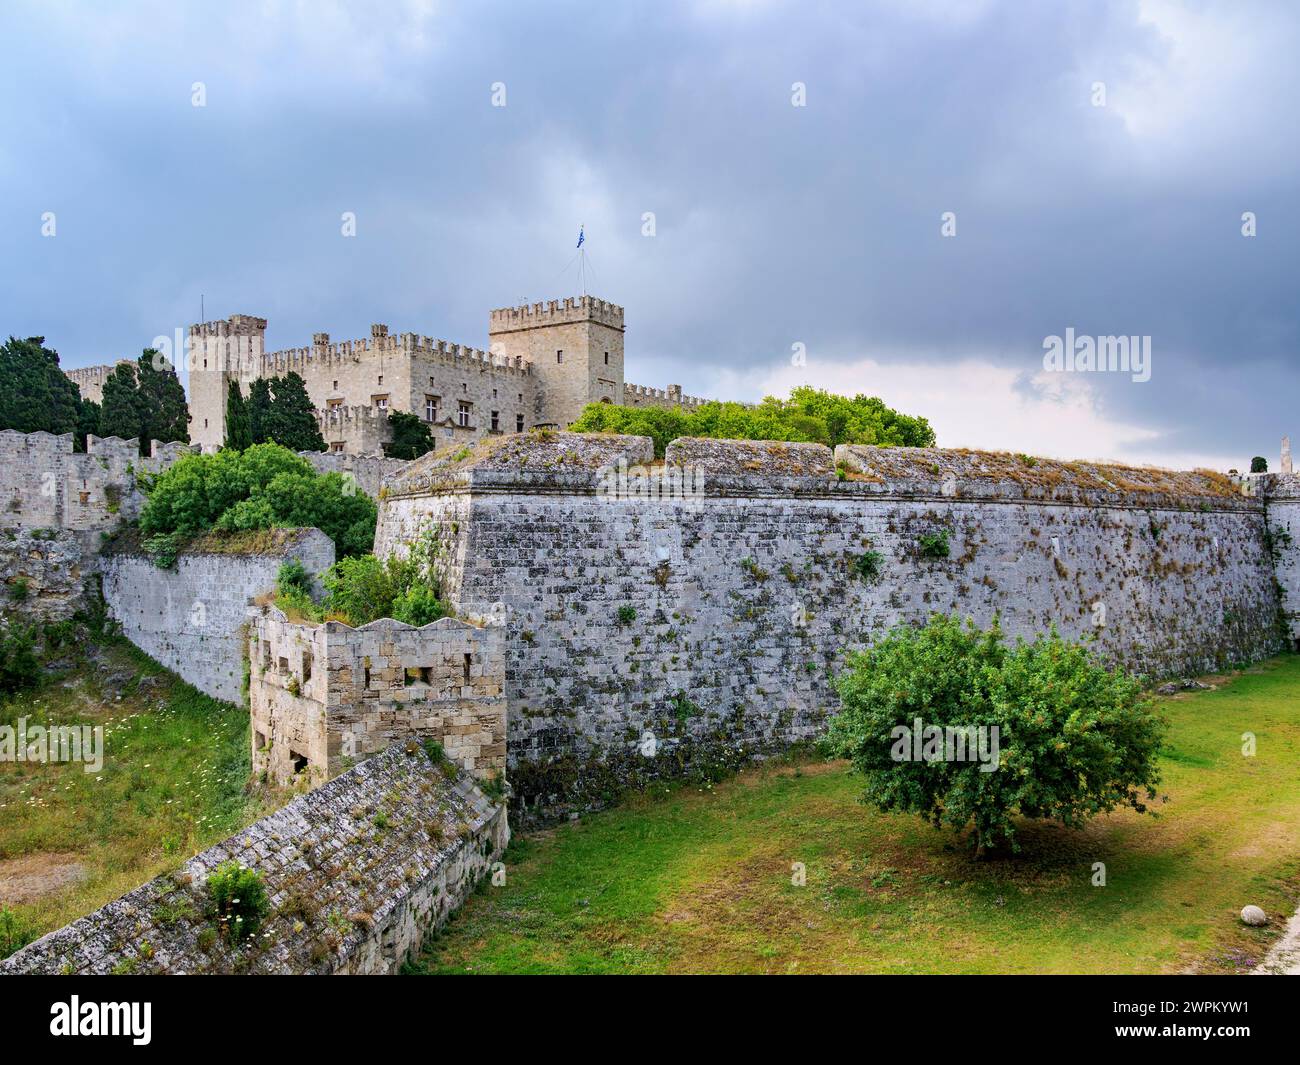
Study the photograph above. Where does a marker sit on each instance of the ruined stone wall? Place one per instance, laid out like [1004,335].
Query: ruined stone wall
[368,470]
[717,618]
[44,484]
[56,508]
[1283,502]
[191,618]
[323,696]
[358,872]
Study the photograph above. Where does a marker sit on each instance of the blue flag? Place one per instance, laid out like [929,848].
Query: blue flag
[581,238]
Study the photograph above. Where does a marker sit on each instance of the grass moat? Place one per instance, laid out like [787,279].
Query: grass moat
[701,880]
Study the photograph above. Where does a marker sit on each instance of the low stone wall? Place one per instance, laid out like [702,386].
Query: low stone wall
[323,696]
[191,618]
[358,872]
[368,470]
[44,484]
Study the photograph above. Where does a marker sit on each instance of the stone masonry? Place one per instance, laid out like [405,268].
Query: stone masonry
[544,364]
[709,598]
[358,872]
[192,618]
[324,696]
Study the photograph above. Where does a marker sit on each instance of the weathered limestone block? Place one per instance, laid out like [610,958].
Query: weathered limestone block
[322,696]
[423,835]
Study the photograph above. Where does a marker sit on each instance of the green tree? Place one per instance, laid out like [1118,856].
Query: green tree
[35,395]
[259,404]
[120,413]
[145,400]
[411,437]
[289,418]
[809,415]
[1074,738]
[165,414]
[239,432]
[1259,464]
[88,415]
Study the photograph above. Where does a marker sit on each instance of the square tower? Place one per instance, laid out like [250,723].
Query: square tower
[221,352]
[576,350]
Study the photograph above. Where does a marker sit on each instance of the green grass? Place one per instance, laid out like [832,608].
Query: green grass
[701,881]
[174,781]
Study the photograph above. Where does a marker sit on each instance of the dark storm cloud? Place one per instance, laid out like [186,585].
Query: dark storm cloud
[775,224]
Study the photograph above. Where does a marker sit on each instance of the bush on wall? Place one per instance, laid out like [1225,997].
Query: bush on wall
[262,487]
[809,415]
[364,588]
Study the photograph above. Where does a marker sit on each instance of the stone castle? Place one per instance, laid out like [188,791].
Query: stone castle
[607,634]
[605,605]
[544,363]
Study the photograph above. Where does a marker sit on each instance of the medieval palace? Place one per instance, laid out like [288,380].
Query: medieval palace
[544,363]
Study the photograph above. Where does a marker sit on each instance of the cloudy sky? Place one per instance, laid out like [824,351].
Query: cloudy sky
[1098,159]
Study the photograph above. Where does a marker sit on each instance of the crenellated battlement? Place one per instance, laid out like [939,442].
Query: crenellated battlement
[323,355]
[644,396]
[556,312]
[346,415]
[90,379]
[237,325]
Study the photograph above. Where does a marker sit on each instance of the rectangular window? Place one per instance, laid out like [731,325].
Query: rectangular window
[430,408]
[336,386]
[462,414]
[559,355]
[519,423]
[381,379]
[496,419]
[607,358]
[380,402]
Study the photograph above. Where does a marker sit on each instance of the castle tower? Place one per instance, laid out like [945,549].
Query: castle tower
[575,347]
[1286,454]
[219,353]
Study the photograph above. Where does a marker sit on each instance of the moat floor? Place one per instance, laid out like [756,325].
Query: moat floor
[174,780]
[700,880]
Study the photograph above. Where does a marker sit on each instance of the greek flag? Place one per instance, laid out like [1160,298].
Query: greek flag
[581,238]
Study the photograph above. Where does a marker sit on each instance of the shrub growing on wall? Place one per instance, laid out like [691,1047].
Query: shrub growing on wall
[809,415]
[262,487]
[239,900]
[365,588]
[1073,738]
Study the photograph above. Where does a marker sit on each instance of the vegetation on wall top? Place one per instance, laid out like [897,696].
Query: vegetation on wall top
[810,415]
[363,589]
[265,486]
